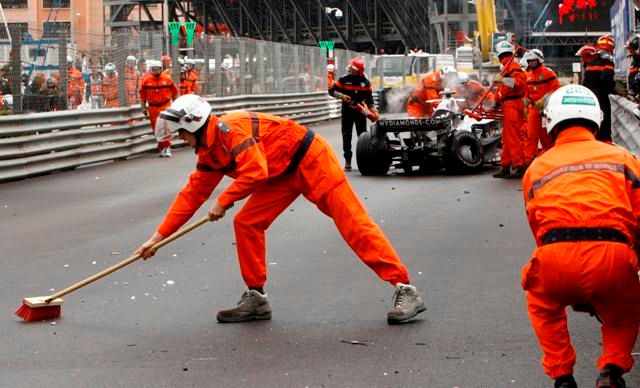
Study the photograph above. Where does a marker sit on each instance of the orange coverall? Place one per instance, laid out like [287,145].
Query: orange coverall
[192,76]
[131,81]
[427,89]
[158,92]
[583,183]
[511,99]
[110,91]
[541,81]
[187,86]
[255,149]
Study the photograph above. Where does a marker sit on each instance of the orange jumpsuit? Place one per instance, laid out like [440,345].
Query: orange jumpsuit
[427,89]
[541,82]
[256,149]
[511,99]
[75,88]
[131,85]
[110,91]
[158,92]
[187,86]
[583,183]
[192,76]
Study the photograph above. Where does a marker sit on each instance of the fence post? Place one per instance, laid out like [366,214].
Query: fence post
[242,66]
[64,74]
[15,75]
[121,42]
[217,55]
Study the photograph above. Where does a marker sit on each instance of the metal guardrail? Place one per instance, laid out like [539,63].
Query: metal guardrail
[625,127]
[39,143]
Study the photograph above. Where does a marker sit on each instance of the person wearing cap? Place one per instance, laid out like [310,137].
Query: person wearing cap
[331,75]
[95,84]
[598,76]
[166,65]
[186,85]
[582,200]
[541,82]
[131,80]
[75,84]
[157,91]
[512,88]
[352,88]
[272,161]
[191,75]
[110,86]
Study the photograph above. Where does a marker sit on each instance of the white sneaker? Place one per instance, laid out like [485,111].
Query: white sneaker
[167,152]
[406,304]
[161,153]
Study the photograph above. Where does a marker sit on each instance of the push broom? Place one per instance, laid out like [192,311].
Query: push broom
[47,307]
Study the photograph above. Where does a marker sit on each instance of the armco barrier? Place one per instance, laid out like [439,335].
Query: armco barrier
[38,143]
[625,127]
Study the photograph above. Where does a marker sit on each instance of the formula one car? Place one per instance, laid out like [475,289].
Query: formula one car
[448,139]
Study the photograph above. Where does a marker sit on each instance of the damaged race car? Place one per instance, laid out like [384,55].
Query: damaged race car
[449,139]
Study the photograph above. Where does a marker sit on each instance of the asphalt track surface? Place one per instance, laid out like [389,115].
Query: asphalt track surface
[152,324]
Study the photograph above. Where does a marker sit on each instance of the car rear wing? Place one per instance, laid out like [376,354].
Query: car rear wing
[384,126]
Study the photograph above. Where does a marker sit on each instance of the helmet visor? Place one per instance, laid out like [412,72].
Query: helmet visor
[163,127]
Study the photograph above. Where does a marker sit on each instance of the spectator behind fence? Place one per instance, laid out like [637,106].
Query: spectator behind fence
[54,100]
[35,97]
[95,81]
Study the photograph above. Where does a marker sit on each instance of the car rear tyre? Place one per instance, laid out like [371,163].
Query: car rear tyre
[464,152]
[372,156]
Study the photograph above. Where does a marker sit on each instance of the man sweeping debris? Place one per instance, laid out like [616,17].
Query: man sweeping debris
[272,161]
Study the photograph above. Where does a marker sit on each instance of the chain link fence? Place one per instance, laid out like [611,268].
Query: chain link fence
[82,72]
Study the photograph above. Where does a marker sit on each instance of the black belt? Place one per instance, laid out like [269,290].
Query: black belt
[160,104]
[300,152]
[583,234]
[512,98]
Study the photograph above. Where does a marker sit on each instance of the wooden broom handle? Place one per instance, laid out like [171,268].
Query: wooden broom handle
[126,262]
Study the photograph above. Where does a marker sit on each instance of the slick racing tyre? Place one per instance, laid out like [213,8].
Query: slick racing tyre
[372,156]
[464,152]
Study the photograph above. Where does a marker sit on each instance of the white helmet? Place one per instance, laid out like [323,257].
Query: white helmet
[109,67]
[504,47]
[463,78]
[189,112]
[190,61]
[69,59]
[331,67]
[151,63]
[534,55]
[571,102]
[448,70]
[131,58]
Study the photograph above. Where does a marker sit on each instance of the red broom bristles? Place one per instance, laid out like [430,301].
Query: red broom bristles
[38,313]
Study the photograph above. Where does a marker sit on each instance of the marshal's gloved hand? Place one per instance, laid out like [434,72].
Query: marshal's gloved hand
[345,98]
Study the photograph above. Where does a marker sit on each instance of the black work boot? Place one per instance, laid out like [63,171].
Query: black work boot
[611,377]
[566,381]
[347,165]
[504,172]
[252,307]
[517,172]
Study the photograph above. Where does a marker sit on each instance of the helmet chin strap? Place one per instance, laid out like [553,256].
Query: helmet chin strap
[200,134]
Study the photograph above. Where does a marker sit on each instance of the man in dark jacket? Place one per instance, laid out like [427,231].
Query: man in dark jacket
[352,88]
[598,76]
